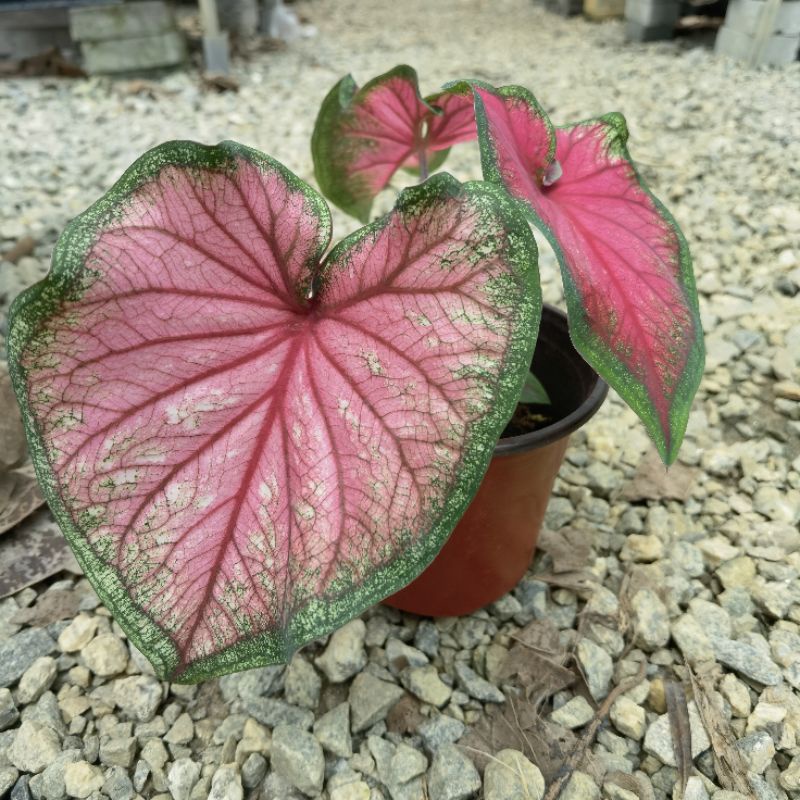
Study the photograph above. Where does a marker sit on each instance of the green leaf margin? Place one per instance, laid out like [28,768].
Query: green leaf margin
[320,615]
[586,342]
[344,191]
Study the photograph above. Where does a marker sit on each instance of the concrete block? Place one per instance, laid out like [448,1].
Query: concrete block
[604,9]
[743,16]
[777,51]
[636,32]
[653,13]
[18,44]
[133,55]
[124,21]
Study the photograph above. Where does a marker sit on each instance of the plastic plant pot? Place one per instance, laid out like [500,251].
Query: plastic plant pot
[492,546]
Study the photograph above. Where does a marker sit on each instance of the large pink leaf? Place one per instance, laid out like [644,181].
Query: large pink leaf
[627,272]
[246,445]
[363,136]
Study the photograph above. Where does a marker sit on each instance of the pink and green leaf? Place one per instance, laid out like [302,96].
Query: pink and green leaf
[626,267]
[247,443]
[363,136]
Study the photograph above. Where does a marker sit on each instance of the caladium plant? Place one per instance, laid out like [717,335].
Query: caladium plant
[247,439]
[626,268]
[247,436]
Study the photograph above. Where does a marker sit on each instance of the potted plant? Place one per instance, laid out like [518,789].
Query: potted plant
[249,438]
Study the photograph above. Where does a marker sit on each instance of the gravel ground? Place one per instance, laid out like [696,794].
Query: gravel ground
[640,576]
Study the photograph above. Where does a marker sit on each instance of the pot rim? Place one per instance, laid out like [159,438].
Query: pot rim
[565,425]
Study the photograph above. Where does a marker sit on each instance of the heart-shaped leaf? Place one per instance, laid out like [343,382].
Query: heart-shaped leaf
[245,445]
[363,136]
[627,272]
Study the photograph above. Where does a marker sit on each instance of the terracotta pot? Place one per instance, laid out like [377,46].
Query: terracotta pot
[492,546]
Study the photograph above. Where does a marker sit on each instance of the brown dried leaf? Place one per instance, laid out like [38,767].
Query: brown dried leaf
[653,481]
[51,607]
[23,247]
[405,717]
[33,551]
[13,447]
[632,783]
[568,548]
[19,496]
[729,763]
[220,83]
[680,727]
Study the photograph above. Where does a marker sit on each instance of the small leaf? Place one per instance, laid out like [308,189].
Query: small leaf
[627,273]
[363,136]
[681,730]
[533,391]
[247,444]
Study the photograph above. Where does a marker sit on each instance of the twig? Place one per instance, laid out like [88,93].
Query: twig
[578,752]
[681,730]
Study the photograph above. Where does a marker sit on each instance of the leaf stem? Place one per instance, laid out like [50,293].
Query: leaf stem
[423,164]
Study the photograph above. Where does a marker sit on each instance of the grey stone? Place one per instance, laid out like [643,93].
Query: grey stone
[8,710]
[8,777]
[253,770]
[597,666]
[575,713]
[580,786]
[99,24]
[511,776]
[34,747]
[140,53]
[117,785]
[21,790]
[302,685]
[452,775]
[81,779]
[298,758]
[226,784]
[19,651]
[439,730]
[271,712]
[371,700]
[400,655]
[426,638]
[182,776]
[691,638]
[345,654]
[650,620]
[118,752]
[332,731]
[182,730]
[52,778]
[425,683]
[758,750]
[36,679]
[106,655]
[748,661]
[47,712]
[475,686]
[658,739]
[138,696]
[78,633]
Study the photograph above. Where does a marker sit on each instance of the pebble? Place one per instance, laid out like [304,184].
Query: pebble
[35,746]
[511,776]
[748,661]
[183,774]
[81,779]
[575,713]
[271,712]
[106,655]
[426,639]
[642,548]
[8,709]
[628,717]
[332,731]
[345,655]
[580,786]
[475,686]
[439,730]
[226,784]
[19,651]
[425,683]
[253,770]
[758,750]
[452,775]
[78,633]
[301,684]
[650,620]
[658,739]
[691,638]
[597,667]
[355,790]
[36,679]
[371,700]
[297,757]
[138,696]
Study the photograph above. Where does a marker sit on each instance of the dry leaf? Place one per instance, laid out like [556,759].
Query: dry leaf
[653,481]
[568,548]
[680,727]
[33,551]
[405,716]
[220,83]
[51,607]
[23,247]
[20,496]
[729,763]
[632,783]
[13,447]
